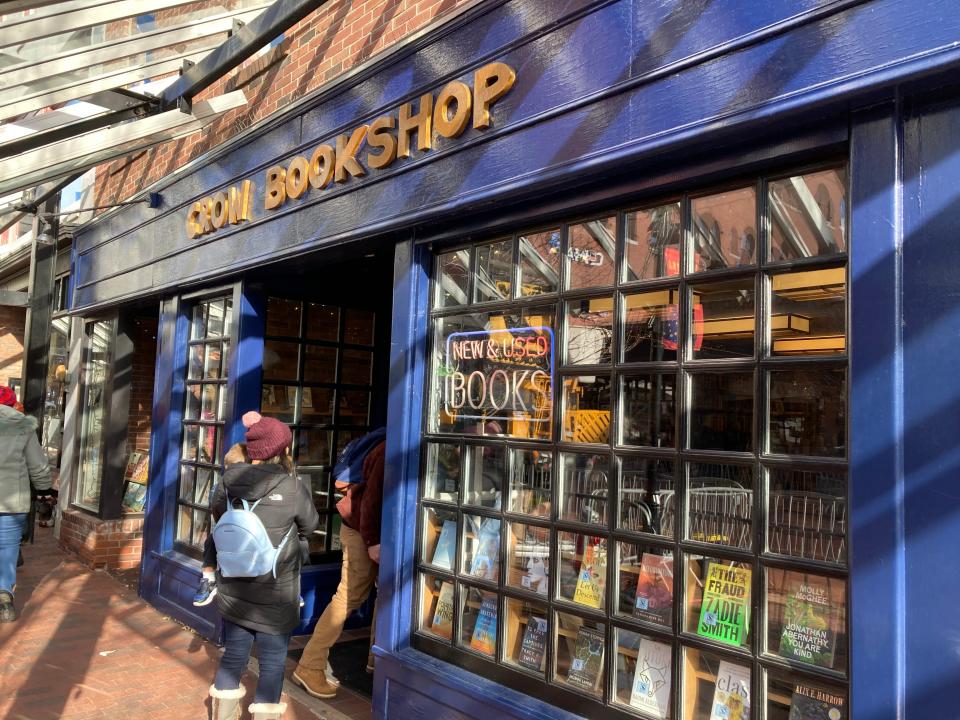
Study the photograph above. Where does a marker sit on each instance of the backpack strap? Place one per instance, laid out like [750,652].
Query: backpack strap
[276,558]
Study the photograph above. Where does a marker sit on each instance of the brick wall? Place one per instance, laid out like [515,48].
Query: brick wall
[12,327]
[325,44]
[102,543]
[141,385]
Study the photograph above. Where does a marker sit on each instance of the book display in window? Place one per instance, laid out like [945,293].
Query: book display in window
[446,546]
[725,611]
[443,615]
[652,678]
[533,647]
[529,557]
[135,497]
[808,635]
[731,695]
[586,664]
[486,559]
[810,702]
[484,638]
[654,598]
[592,578]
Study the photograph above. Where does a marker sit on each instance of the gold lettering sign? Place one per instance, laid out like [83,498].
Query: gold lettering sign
[223,208]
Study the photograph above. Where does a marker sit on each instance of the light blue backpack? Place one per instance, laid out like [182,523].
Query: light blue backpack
[243,545]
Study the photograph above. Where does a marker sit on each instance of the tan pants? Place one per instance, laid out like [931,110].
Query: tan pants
[357,578]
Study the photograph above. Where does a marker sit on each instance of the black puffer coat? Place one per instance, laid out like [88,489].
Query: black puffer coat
[267,604]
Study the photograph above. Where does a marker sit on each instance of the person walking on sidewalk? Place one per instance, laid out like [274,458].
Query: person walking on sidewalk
[22,464]
[359,475]
[262,609]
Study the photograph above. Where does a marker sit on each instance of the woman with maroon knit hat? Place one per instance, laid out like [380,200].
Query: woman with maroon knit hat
[262,609]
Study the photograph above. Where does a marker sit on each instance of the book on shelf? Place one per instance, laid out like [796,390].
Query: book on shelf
[443,615]
[536,577]
[731,693]
[651,679]
[813,703]
[533,646]
[486,558]
[137,468]
[132,461]
[654,600]
[592,578]
[725,612]
[446,546]
[587,661]
[484,638]
[808,635]
[135,497]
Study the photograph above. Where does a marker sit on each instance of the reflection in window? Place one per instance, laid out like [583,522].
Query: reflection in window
[586,409]
[442,472]
[648,406]
[720,504]
[494,272]
[651,326]
[724,230]
[531,482]
[653,243]
[528,557]
[648,500]
[585,486]
[808,215]
[591,249]
[485,476]
[807,515]
[589,331]
[723,319]
[809,312]
[453,279]
[539,263]
[808,412]
[97,361]
[723,411]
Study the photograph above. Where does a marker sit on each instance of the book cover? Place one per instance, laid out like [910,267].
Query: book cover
[446,545]
[654,600]
[135,497]
[484,636]
[486,559]
[813,703]
[592,578]
[651,679]
[132,461]
[533,647]
[443,615]
[731,694]
[808,635]
[725,612]
[141,469]
[587,661]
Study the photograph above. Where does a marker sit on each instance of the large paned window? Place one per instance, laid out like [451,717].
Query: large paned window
[96,379]
[318,364]
[634,471]
[202,450]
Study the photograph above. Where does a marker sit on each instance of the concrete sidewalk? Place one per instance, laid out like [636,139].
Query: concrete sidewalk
[87,647]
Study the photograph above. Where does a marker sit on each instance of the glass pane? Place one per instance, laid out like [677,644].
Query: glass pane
[187,483]
[807,618]
[808,412]
[586,409]
[313,446]
[336,525]
[649,410]
[275,402]
[194,393]
[580,646]
[323,322]
[478,620]
[356,367]
[584,488]
[647,496]
[439,537]
[480,549]
[320,364]
[486,471]
[212,362]
[283,317]
[318,483]
[452,279]
[215,316]
[208,402]
[591,249]
[720,504]
[442,473]
[528,557]
[225,363]
[644,674]
[318,538]
[807,515]
[354,407]
[316,405]
[583,569]
[525,635]
[358,328]
[808,215]
[714,688]
[723,320]
[280,360]
[650,326]
[184,521]
[227,317]
[722,411]
[203,487]
[645,583]
[809,313]
[198,326]
[201,527]
[494,272]
[195,362]
[589,331]
[653,243]
[718,600]
[792,697]
[436,606]
[191,434]
[724,230]
[207,441]
[531,480]
[539,263]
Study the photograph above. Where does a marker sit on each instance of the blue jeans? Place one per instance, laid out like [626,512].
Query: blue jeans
[11,533]
[272,656]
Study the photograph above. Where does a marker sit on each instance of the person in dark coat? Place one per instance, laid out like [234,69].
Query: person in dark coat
[262,609]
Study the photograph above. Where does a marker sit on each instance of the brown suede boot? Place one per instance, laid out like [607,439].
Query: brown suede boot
[225,704]
[267,711]
[314,682]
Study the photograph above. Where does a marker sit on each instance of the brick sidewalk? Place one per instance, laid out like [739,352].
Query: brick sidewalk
[85,647]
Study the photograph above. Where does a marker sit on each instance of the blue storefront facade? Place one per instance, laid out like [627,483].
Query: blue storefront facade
[617,132]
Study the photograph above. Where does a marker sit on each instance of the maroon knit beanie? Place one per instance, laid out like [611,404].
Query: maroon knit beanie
[7,396]
[266,437]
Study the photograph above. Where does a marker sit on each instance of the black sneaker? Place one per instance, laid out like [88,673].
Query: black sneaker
[8,613]
[206,592]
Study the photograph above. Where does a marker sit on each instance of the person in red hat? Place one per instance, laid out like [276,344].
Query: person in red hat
[22,464]
[263,609]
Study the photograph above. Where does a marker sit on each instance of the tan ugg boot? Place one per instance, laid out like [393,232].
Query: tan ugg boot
[225,704]
[267,711]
